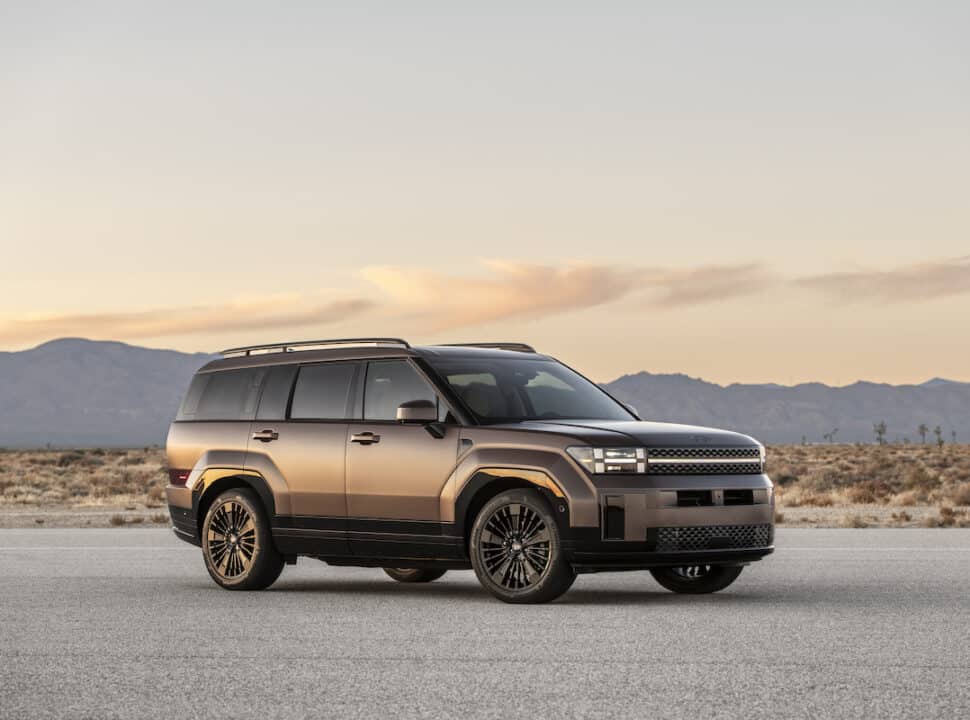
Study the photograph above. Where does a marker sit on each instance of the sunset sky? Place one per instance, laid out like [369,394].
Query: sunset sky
[738,191]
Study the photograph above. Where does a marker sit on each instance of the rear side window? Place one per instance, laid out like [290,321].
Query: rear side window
[323,392]
[276,393]
[390,383]
[224,395]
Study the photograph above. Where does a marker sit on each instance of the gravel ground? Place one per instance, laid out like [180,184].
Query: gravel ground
[838,623]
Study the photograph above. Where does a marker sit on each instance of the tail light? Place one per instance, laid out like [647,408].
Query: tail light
[178,477]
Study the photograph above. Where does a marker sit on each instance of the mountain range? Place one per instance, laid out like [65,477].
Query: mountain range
[83,393]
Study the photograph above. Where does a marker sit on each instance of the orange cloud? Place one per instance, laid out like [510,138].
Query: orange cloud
[519,290]
[252,313]
[513,290]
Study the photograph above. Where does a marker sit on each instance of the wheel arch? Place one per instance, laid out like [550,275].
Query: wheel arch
[215,481]
[490,482]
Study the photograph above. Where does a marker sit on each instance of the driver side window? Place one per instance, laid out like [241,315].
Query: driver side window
[390,383]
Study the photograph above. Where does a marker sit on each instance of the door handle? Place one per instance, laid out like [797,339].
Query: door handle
[266,435]
[365,438]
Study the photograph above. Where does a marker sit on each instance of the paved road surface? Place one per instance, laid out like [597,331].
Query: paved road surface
[839,623]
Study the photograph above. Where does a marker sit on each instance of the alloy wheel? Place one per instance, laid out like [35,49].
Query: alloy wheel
[515,546]
[231,540]
[692,572]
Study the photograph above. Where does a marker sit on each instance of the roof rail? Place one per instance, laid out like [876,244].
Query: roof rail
[517,347]
[311,344]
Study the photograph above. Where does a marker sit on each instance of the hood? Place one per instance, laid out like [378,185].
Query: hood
[650,434]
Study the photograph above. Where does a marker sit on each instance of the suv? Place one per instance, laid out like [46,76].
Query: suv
[371,452]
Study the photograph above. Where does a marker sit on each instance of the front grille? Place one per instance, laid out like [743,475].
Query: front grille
[713,537]
[704,452]
[704,461]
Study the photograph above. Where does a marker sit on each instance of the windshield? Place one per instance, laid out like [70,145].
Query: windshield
[513,389]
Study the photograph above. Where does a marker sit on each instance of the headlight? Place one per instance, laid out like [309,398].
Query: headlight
[610,460]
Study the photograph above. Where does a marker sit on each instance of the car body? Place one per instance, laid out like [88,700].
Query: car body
[375,453]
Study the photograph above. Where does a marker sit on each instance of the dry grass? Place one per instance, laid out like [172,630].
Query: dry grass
[898,475]
[83,478]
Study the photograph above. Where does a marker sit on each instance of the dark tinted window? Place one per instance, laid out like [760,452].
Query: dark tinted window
[225,395]
[276,393]
[390,383]
[526,389]
[322,391]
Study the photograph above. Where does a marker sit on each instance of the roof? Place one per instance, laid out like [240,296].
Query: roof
[369,351]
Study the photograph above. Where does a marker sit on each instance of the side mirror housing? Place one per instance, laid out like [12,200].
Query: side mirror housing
[417,411]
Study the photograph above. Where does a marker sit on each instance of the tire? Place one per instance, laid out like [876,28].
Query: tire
[697,579]
[414,575]
[237,544]
[516,551]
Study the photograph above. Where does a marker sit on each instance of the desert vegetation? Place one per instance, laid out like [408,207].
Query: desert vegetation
[908,483]
[892,484]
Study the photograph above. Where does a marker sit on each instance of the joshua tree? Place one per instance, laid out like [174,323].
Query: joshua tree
[830,436]
[922,430]
[880,430]
[953,434]
[938,431]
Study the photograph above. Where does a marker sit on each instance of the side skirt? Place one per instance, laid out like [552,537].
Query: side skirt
[358,539]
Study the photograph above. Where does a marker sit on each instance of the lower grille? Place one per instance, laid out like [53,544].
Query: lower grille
[713,537]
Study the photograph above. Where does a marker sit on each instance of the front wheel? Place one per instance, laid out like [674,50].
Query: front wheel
[516,551]
[237,544]
[697,579]
[414,575]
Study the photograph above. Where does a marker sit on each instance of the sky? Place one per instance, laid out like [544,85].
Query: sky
[744,192]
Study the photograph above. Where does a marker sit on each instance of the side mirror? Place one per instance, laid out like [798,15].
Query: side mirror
[415,411]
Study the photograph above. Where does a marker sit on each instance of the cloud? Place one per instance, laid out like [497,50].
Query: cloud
[529,291]
[707,284]
[513,290]
[918,281]
[250,314]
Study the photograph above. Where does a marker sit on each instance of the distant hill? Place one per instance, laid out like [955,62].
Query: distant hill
[781,414]
[82,393]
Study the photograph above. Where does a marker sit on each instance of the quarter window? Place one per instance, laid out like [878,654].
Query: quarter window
[223,395]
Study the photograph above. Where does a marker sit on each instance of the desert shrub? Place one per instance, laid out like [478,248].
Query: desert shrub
[117,520]
[917,478]
[853,521]
[961,495]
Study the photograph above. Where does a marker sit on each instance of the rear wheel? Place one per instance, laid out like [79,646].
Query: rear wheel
[237,544]
[414,575]
[697,579]
[516,551]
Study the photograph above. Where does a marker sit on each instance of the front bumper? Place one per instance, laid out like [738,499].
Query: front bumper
[656,521]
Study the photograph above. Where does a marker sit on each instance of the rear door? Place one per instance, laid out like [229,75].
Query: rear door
[396,472]
[303,433]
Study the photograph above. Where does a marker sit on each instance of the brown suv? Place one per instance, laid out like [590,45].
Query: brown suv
[371,452]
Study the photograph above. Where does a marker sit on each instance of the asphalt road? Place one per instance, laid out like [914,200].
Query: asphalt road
[838,623]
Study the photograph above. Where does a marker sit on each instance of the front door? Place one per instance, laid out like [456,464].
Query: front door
[397,472]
